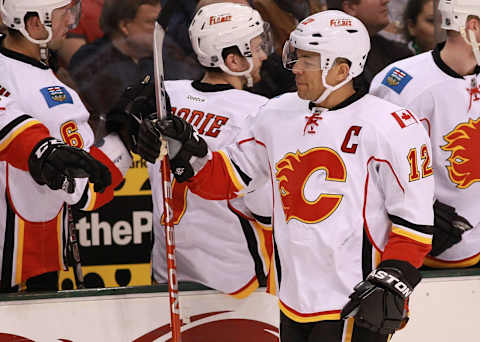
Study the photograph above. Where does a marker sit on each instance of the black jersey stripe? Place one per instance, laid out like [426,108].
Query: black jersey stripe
[8,248]
[83,200]
[265,220]
[278,266]
[367,255]
[245,178]
[5,131]
[252,244]
[419,228]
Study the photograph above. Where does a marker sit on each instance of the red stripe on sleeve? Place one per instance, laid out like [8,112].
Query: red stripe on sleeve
[117,178]
[213,181]
[402,248]
[19,149]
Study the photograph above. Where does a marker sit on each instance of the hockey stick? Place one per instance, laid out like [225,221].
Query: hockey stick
[73,254]
[158,37]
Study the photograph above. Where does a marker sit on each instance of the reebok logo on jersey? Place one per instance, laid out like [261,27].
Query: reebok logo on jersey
[56,95]
[220,19]
[396,80]
[196,98]
[404,118]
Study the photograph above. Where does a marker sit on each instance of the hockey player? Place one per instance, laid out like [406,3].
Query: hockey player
[442,87]
[220,244]
[26,145]
[343,180]
[34,215]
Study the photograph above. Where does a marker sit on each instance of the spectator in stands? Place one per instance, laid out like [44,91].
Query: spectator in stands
[87,31]
[374,14]
[394,30]
[275,79]
[104,68]
[419,25]
[179,59]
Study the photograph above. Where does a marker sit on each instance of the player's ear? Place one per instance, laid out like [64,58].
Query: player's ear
[34,27]
[412,31]
[123,27]
[341,71]
[236,62]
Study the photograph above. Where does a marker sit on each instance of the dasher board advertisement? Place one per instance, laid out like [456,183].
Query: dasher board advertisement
[442,310]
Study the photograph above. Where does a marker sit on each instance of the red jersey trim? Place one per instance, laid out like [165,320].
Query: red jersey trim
[437,263]
[18,145]
[98,199]
[247,289]
[308,317]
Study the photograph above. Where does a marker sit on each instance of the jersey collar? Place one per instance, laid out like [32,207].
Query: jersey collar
[358,94]
[210,88]
[21,57]
[444,67]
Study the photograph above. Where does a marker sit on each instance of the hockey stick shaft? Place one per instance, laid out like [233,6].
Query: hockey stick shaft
[158,37]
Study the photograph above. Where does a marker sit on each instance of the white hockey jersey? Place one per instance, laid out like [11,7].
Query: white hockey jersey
[337,176]
[33,216]
[449,107]
[221,244]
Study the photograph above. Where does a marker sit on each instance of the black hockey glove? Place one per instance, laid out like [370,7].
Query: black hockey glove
[56,164]
[135,103]
[149,143]
[378,303]
[448,228]
[183,144]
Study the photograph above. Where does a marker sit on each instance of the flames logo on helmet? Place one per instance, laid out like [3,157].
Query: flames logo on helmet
[293,173]
[464,163]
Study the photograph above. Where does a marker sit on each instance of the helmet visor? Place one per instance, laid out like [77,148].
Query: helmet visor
[73,11]
[267,39]
[306,60]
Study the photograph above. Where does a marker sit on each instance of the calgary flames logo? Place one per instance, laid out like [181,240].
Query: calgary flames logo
[293,173]
[463,142]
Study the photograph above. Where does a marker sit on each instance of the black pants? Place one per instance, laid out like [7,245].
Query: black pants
[325,331]
[43,282]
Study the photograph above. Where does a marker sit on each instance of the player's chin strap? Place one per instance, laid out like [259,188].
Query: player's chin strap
[247,73]
[330,89]
[42,43]
[472,42]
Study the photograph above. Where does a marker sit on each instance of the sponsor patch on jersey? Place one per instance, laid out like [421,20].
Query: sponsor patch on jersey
[404,118]
[396,80]
[56,95]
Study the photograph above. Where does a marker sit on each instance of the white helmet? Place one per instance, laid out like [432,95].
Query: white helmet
[454,17]
[222,25]
[13,13]
[332,34]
